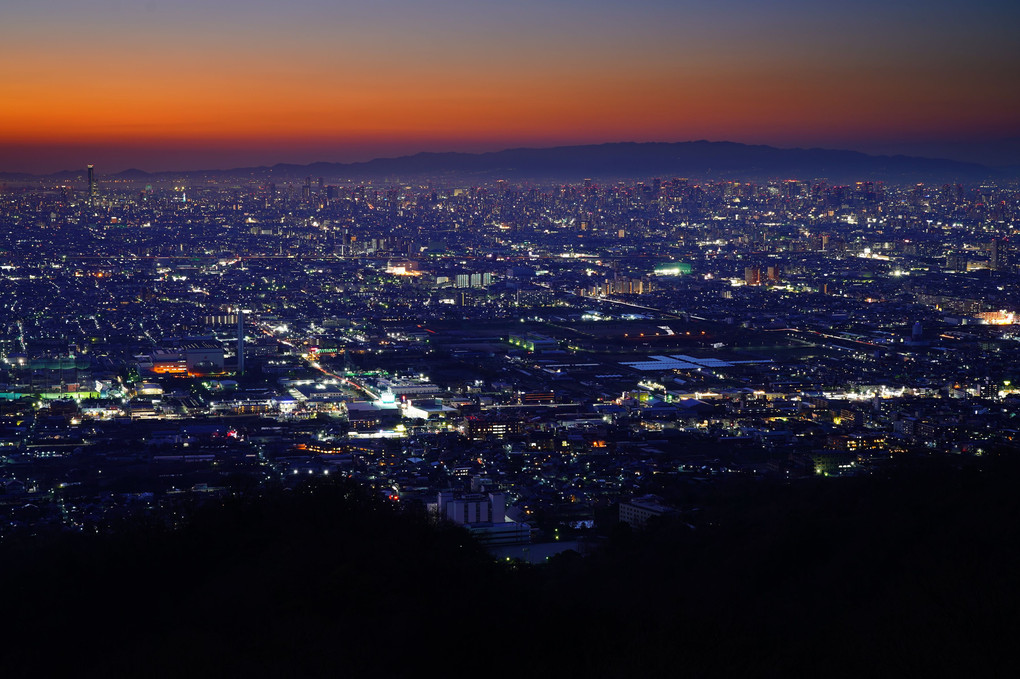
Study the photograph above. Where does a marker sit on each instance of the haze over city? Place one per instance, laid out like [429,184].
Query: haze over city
[191,85]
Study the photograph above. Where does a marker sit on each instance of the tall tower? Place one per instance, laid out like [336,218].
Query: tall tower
[240,342]
[92,184]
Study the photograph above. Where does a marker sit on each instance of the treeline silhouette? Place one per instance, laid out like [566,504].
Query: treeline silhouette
[908,573]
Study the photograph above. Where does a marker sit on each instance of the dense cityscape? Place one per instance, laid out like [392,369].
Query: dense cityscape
[488,339]
[570,339]
[536,362]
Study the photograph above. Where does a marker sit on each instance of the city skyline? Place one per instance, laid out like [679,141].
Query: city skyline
[174,88]
[656,337]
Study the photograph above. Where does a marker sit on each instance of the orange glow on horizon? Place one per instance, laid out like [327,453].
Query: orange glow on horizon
[663,102]
[316,78]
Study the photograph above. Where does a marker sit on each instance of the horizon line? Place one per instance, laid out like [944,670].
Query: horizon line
[504,149]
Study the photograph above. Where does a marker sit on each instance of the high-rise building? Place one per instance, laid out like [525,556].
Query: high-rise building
[240,342]
[995,255]
[752,275]
[92,184]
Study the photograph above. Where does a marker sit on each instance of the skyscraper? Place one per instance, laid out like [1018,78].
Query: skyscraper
[240,342]
[92,185]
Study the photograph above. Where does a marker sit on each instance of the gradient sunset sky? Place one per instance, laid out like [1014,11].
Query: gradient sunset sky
[196,84]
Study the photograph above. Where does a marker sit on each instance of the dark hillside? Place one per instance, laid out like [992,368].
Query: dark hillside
[909,574]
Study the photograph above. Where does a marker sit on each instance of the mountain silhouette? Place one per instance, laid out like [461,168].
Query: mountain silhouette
[623,160]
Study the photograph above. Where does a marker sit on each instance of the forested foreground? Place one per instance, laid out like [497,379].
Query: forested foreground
[914,572]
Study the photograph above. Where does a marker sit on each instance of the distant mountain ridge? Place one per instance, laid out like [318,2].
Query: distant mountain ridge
[620,160]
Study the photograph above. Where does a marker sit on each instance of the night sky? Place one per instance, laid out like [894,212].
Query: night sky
[192,84]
